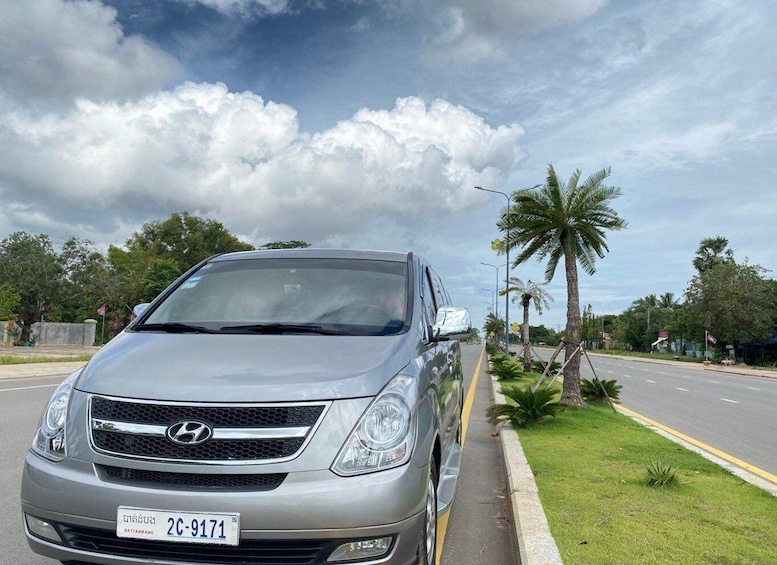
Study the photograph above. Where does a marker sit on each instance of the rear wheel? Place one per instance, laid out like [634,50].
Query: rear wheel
[427,542]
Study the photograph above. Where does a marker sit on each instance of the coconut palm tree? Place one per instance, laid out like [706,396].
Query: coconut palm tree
[564,220]
[647,305]
[668,301]
[527,293]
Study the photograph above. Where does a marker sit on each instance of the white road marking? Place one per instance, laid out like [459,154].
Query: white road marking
[731,401]
[627,376]
[752,388]
[683,389]
[27,387]
[715,382]
[653,382]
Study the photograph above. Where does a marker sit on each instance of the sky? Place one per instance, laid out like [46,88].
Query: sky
[368,123]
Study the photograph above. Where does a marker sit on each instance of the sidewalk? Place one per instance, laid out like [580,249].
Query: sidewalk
[30,370]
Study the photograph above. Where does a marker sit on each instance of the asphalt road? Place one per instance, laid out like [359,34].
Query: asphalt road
[479,528]
[731,413]
[22,401]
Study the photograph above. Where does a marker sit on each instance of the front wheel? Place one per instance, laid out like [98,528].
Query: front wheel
[427,542]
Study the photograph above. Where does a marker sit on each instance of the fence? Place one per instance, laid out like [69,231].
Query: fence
[54,333]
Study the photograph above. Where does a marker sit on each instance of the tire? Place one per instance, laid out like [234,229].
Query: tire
[427,540]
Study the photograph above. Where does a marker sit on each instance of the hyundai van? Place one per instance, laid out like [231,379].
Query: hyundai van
[289,407]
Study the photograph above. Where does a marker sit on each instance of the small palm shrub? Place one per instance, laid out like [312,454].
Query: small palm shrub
[661,474]
[530,406]
[594,389]
[504,369]
[539,367]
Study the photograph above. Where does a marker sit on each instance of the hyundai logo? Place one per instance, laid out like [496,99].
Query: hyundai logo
[189,432]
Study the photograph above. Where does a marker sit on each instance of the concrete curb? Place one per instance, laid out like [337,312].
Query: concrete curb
[736,470]
[535,542]
[32,370]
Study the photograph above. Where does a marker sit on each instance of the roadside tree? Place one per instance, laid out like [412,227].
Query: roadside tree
[293,244]
[712,251]
[564,220]
[494,328]
[86,280]
[185,239]
[9,300]
[30,266]
[528,293]
[733,301]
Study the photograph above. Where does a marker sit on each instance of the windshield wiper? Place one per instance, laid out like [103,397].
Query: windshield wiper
[281,329]
[174,328]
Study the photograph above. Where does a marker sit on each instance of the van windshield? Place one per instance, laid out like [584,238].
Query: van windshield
[279,296]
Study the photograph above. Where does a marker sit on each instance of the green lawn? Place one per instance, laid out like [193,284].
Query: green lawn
[17,359]
[589,466]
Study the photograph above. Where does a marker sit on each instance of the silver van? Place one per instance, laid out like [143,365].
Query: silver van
[270,407]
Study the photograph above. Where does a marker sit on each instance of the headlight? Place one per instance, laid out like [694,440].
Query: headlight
[385,434]
[49,441]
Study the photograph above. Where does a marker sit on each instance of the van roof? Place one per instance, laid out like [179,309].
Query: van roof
[315,254]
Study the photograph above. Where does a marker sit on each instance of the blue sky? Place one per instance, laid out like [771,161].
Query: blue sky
[361,123]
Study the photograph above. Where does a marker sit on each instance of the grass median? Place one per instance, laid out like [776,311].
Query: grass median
[18,360]
[590,469]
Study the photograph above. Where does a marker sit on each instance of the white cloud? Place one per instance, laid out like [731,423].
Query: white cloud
[241,159]
[54,49]
[474,30]
[245,7]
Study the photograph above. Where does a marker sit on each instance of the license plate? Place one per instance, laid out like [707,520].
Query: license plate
[187,527]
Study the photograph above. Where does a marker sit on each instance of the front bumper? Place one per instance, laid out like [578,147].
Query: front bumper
[316,509]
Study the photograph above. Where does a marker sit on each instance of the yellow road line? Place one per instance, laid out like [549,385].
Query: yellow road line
[725,456]
[470,400]
[442,522]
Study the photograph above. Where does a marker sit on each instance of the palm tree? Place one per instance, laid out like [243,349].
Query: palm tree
[528,293]
[647,305]
[493,328]
[712,251]
[668,301]
[569,220]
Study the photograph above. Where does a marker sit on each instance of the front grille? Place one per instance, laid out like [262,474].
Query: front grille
[249,552]
[217,416]
[240,433]
[253,482]
[214,450]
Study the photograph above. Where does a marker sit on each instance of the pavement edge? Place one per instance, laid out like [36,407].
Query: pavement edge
[535,542]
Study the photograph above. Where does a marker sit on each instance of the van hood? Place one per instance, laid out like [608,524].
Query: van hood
[245,368]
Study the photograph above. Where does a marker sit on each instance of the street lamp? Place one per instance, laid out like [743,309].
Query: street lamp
[494,303]
[496,287]
[507,275]
[493,299]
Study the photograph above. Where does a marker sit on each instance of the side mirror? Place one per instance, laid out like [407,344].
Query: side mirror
[139,309]
[452,323]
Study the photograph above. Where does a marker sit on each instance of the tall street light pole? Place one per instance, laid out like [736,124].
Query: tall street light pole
[496,287]
[507,274]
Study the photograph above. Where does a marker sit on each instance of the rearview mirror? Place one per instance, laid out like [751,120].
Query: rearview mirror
[452,323]
[139,309]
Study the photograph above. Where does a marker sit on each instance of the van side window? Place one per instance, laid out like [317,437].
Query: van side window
[430,305]
[440,294]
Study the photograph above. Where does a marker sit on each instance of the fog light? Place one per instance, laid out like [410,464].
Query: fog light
[363,549]
[42,529]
